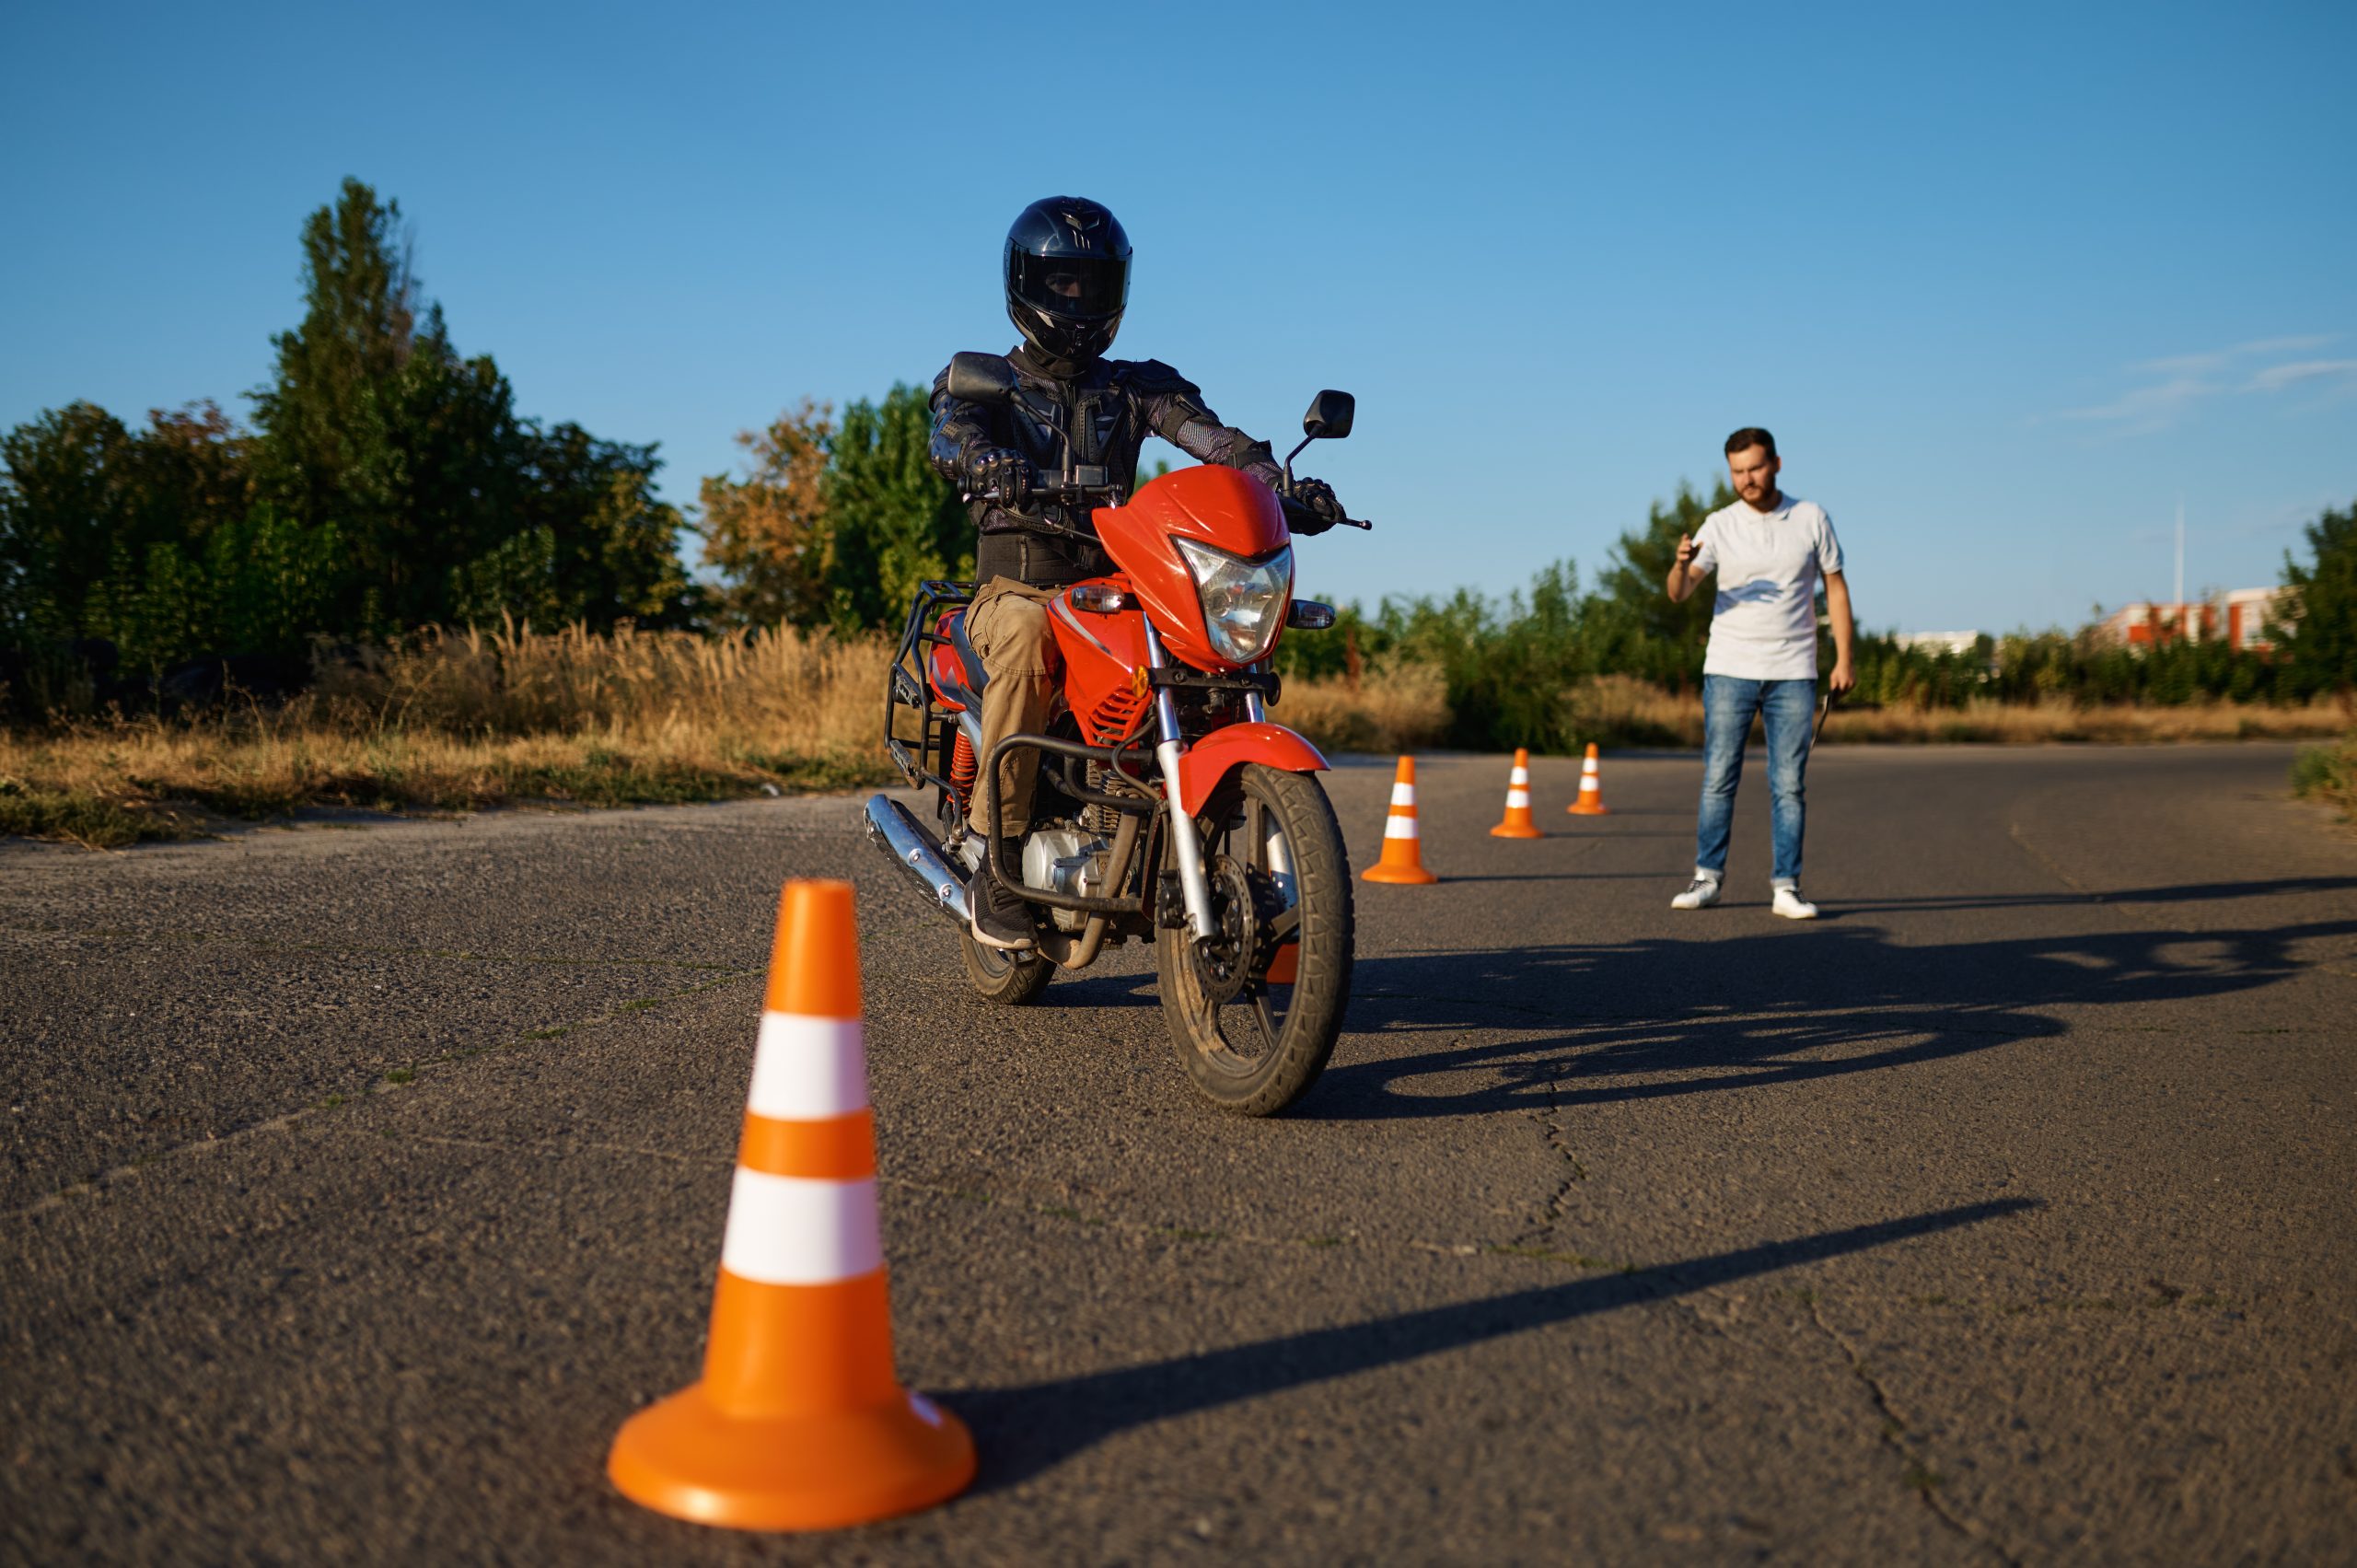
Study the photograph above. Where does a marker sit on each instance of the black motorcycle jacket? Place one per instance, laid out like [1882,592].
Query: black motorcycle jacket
[1107,410]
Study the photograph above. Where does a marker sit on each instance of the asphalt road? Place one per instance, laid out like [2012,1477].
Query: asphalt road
[358,1183]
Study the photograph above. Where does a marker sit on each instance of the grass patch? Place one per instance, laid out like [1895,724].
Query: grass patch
[464,722]
[2329,773]
[94,822]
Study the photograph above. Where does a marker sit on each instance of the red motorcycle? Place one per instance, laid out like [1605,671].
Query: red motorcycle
[1168,808]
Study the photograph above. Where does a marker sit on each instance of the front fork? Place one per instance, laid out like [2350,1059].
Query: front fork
[1193,885]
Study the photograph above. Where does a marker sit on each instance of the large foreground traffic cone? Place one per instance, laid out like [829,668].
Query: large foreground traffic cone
[1403,859]
[1591,800]
[799,1422]
[1517,823]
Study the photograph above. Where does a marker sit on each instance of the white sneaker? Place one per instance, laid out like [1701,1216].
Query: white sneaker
[1700,894]
[1791,906]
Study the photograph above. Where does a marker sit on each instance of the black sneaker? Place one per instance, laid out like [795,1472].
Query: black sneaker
[1001,919]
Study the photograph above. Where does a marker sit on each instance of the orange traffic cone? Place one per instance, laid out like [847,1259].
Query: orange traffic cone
[1404,858]
[799,1422]
[1518,824]
[1591,800]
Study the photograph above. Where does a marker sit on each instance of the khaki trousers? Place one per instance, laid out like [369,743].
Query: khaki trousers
[1007,623]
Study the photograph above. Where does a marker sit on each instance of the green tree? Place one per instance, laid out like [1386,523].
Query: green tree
[894,521]
[329,417]
[2318,636]
[62,508]
[450,507]
[769,534]
[86,505]
[615,545]
[1639,630]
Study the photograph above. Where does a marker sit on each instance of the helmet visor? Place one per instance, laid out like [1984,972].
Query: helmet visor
[1072,287]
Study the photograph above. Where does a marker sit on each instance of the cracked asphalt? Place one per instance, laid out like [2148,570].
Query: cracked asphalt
[358,1183]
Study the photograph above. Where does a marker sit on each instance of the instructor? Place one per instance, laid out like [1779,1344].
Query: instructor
[1769,549]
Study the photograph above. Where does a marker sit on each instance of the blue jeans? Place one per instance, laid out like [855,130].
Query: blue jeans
[1729,702]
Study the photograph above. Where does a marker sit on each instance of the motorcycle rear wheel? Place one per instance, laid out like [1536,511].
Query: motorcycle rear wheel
[1251,1046]
[1010,980]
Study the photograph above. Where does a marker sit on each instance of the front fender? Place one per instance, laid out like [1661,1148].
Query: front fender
[1211,759]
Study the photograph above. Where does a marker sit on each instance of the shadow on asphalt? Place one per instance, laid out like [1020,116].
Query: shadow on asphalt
[1025,1430]
[2190,893]
[1653,1019]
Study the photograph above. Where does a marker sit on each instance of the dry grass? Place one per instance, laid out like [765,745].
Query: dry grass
[1403,710]
[469,720]
[1632,712]
[465,721]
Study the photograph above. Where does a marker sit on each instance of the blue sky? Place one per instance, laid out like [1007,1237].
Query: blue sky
[2007,283]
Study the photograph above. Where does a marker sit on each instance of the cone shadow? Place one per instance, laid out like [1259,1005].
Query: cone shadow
[1024,1430]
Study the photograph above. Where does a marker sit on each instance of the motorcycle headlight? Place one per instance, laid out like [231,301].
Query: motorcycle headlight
[1244,602]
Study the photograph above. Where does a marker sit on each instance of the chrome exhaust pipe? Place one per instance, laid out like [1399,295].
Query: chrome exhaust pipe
[917,852]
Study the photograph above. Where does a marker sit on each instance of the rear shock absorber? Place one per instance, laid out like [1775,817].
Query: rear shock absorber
[962,768]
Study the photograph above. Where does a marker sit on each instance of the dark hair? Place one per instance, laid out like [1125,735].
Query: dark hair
[1750,436]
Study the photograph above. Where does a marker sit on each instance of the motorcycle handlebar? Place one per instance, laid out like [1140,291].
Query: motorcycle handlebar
[1294,510]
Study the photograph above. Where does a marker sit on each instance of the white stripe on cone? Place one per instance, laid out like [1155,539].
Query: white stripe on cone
[794,1230]
[1403,794]
[808,1069]
[1400,828]
[1519,778]
[1518,798]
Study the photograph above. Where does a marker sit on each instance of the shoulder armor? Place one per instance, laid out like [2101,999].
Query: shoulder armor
[1154,379]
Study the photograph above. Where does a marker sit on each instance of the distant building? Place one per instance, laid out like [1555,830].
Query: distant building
[1957,642]
[2248,613]
[2240,616]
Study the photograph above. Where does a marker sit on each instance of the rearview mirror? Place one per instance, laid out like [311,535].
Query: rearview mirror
[988,378]
[1328,417]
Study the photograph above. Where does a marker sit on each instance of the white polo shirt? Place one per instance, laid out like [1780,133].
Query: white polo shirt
[1768,563]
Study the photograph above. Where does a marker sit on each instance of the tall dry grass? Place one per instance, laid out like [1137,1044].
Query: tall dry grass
[1405,708]
[462,720]
[1402,710]
[1632,712]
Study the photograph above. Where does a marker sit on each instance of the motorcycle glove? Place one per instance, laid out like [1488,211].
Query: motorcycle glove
[1318,497]
[1001,472]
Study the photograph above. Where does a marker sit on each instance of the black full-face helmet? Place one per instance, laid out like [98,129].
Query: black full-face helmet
[1067,279]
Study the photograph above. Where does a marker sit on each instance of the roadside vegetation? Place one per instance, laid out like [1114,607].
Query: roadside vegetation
[2329,773]
[335,605]
[451,721]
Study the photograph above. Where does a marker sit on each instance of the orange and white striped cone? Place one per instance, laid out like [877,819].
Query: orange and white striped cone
[1517,823]
[1403,859]
[800,1422]
[1591,800]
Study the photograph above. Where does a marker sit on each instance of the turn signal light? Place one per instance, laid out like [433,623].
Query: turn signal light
[1098,599]
[1308,615]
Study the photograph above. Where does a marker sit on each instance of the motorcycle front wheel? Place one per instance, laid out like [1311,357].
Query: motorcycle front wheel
[1251,1039]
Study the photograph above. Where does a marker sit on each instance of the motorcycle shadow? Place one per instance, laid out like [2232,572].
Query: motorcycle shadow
[1571,1025]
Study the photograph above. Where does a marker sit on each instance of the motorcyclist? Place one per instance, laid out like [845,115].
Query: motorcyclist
[1067,274]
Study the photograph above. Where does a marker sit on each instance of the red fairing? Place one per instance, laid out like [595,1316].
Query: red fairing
[1221,506]
[945,669]
[1210,760]
[1104,664]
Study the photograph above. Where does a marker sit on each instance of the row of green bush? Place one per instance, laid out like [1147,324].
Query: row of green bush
[1507,662]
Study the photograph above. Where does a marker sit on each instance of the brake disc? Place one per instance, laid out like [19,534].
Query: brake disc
[1223,964]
